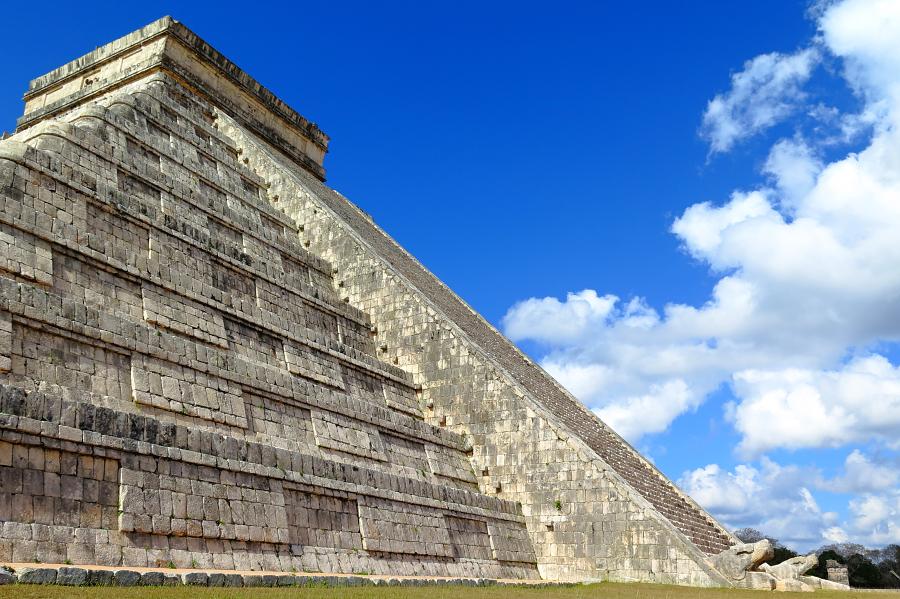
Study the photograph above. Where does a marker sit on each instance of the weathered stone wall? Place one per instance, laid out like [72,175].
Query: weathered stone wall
[837,572]
[93,485]
[584,520]
[266,378]
[181,383]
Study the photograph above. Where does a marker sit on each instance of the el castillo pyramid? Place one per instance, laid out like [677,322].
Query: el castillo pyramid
[211,359]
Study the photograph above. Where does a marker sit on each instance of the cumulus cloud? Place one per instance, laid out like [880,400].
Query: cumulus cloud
[876,518]
[864,34]
[807,262]
[552,321]
[772,498]
[862,474]
[703,228]
[767,90]
[729,495]
[651,412]
[778,500]
[609,367]
[796,408]
[794,167]
[805,311]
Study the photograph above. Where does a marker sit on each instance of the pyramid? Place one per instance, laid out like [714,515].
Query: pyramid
[210,359]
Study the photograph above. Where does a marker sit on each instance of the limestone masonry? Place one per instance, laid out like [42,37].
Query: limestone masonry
[210,359]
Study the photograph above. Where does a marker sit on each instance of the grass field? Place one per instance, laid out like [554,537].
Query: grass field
[605,591]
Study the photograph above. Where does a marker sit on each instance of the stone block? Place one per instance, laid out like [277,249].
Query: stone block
[197,579]
[71,576]
[100,578]
[36,575]
[152,579]
[127,578]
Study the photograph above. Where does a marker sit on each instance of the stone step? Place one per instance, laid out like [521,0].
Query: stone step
[91,575]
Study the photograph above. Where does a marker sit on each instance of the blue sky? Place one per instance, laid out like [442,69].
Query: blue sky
[543,160]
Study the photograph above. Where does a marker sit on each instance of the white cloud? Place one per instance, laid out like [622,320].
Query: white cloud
[876,518]
[778,500]
[552,321]
[703,227]
[794,167]
[863,475]
[808,265]
[772,498]
[764,93]
[649,413]
[796,408]
[729,495]
[864,33]
[835,534]
[582,380]
[808,293]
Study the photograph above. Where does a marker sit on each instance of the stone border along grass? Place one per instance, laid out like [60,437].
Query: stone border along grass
[75,576]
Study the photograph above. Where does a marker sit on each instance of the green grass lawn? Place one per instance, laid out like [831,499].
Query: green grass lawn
[606,591]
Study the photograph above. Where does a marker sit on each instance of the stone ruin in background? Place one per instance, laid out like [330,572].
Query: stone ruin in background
[211,359]
[837,572]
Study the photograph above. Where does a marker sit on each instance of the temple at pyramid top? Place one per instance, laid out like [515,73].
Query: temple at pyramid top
[168,45]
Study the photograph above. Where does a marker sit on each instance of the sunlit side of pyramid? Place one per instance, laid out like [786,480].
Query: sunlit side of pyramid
[210,359]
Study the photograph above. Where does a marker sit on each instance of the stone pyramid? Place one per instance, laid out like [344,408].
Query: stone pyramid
[210,359]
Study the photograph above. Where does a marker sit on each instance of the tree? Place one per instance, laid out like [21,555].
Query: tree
[889,565]
[890,574]
[845,550]
[863,573]
[782,553]
[890,553]
[749,535]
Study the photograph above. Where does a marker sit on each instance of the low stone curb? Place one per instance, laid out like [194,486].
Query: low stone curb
[73,576]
